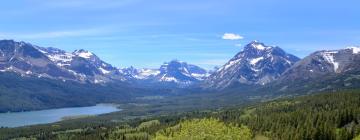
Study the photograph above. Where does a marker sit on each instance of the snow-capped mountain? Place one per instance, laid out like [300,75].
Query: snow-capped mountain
[86,63]
[80,65]
[26,59]
[175,71]
[326,62]
[85,66]
[257,63]
[181,72]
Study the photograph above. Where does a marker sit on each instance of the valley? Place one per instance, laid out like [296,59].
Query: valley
[258,81]
[179,70]
[88,80]
[328,115]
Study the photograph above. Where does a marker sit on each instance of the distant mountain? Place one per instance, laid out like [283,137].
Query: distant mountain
[324,70]
[176,72]
[84,66]
[256,64]
[180,72]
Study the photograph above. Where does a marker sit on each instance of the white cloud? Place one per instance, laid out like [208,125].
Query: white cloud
[232,36]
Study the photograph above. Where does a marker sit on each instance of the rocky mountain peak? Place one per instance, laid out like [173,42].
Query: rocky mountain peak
[257,63]
[256,45]
[83,53]
[178,71]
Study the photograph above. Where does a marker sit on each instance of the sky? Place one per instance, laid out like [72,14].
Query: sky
[147,33]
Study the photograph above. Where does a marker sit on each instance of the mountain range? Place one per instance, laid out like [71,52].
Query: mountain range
[268,70]
[85,67]
[263,69]
[256,64]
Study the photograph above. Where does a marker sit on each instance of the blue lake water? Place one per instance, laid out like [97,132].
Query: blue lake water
[15,119]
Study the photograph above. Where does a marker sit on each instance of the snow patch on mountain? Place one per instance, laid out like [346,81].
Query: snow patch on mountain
[60,57]
[229,64]
[259,46]
[355,50]
[83,54]
[67,57]
[256,60]
[146,73]
[165,78]
[199,76]
[104,71]
[329,57]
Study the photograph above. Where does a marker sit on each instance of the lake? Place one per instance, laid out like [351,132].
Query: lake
[15,119]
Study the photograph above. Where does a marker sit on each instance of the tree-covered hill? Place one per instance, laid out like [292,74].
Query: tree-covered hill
[19,93]
[328,116]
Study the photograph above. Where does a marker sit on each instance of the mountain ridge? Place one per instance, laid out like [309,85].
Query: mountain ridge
[84,66]
[256,64]
[325,69]
[258,71]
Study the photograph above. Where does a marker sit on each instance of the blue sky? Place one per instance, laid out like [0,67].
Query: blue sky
[146,33]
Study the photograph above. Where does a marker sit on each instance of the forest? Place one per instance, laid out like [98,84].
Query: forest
[323,116]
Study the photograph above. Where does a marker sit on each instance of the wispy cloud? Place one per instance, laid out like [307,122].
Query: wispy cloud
[86,4]
[55,34]
[232,36]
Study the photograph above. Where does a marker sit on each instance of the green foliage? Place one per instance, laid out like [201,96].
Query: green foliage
[148,124]
[357,138]
[129,133]
[331,116]
[201,129]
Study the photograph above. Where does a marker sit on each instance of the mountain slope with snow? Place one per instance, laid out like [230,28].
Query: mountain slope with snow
[326,62]
[256,64]
[84,64]
[327,70]
[26,59]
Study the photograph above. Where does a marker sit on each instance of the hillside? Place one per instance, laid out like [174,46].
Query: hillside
[321,116]
[18,93]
